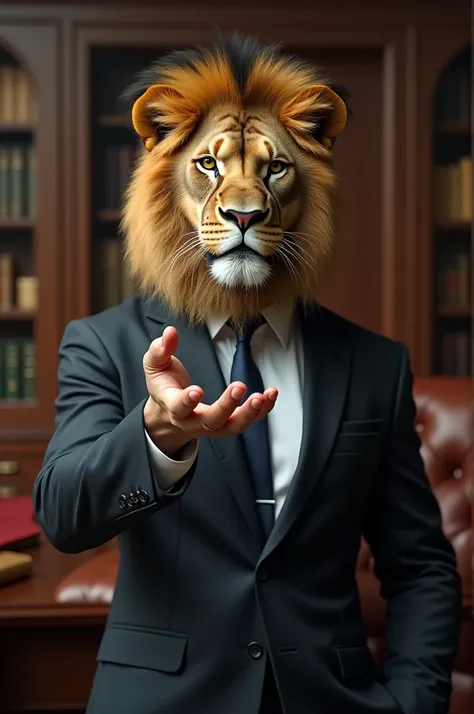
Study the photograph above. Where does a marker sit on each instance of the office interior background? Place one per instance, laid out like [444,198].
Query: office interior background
[404,264]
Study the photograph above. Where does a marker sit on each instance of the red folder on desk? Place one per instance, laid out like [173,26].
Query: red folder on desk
[18,528]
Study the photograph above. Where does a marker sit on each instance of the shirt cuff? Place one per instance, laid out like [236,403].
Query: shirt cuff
[169,471]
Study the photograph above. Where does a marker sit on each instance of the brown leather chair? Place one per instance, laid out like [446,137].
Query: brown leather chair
[445,422]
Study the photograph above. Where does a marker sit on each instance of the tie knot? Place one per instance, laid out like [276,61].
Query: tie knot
[245,333]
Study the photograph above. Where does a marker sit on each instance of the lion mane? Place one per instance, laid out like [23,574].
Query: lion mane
[176,104]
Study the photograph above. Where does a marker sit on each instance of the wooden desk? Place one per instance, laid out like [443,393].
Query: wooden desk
[47,650]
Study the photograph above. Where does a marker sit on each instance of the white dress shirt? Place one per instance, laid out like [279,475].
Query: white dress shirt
[277,350]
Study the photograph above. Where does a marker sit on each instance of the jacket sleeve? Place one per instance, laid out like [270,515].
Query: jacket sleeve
[416,566]
[96,480]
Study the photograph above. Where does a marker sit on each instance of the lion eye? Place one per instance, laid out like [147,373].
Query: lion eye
[208,163]
[277,167]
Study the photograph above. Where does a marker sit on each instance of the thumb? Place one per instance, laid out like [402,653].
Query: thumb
[158,356]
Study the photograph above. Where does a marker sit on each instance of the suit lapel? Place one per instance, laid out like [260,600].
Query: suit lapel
[197,353]
[327,366]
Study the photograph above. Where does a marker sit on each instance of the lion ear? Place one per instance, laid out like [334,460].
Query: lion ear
[163,111]
[315,112]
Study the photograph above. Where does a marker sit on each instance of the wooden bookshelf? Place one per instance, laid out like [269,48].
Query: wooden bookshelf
[114,147]
[452,220]
[29,303]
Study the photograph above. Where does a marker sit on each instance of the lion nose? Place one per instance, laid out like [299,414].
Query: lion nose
[243,219]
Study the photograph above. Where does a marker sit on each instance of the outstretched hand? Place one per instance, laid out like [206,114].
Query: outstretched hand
[175,413]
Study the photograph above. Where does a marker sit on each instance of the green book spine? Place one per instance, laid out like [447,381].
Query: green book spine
[16,182]
[12,369]
[2,369]
[4,181]
[28,370]
[31,182]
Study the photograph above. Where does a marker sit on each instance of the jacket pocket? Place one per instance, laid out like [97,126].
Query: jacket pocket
[355,663]
[358,443]
[362,426]
[161,651]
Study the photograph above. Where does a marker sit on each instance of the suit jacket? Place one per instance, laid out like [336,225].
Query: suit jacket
[201,606]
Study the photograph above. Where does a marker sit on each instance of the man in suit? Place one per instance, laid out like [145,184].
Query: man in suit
[241,460]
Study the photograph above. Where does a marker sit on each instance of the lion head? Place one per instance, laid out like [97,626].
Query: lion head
[229,208]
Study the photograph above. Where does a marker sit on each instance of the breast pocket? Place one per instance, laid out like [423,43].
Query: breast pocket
[359,437]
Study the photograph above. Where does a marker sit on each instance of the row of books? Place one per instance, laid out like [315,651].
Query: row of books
[455,97]
[452,191]
[112,278]
[456,353]
[454,282]
[117,167]
[17,369]
[16,291]
[17,181]
[17,101]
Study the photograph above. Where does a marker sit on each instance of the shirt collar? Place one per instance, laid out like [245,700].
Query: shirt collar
[279,318]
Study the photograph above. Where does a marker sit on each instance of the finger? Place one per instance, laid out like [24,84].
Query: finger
[216,415]
[245,415]
[161,350]
[270,400]
[181,403]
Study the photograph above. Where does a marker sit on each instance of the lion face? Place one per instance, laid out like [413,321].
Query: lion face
[242,190]
[230,206]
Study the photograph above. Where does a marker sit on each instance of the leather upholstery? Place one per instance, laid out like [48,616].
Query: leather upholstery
[445,422]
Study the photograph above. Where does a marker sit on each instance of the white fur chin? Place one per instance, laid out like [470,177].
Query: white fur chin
[233,271]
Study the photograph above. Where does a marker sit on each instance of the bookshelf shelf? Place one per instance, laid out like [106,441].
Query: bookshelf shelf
[109,215]
[454,312]
[17,315]
[17,403]
[454,226]
[16,224]
[16,127]
[114,120]
[454,128]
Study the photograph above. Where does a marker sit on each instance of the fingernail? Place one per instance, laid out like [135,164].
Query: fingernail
[256,404]
[272,396]
[194,396]
[237,393]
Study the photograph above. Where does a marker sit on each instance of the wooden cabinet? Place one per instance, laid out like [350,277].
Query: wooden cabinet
[80,57]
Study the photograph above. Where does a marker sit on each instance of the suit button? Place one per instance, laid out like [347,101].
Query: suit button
[123,501]
[143,496]
[129,499]
[263,575]
[255,650]
[134,498]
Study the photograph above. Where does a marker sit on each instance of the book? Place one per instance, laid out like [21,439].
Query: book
[17,369]
[452,191]
[27,292]
[14,566]
[17,103]
[18,527]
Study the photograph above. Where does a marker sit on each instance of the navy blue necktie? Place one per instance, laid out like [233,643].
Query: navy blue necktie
[255,439]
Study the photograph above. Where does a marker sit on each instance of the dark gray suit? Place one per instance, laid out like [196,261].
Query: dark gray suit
[199,609]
